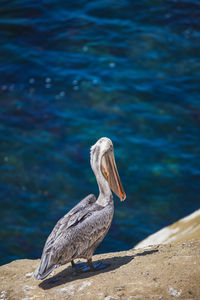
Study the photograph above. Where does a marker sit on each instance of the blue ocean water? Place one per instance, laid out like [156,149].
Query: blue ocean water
[72,72]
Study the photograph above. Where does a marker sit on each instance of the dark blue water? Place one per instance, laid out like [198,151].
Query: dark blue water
[74,71]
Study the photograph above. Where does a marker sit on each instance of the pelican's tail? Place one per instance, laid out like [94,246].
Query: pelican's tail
[44,268]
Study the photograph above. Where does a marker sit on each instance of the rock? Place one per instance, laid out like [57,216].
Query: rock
[185,229]
[170,271]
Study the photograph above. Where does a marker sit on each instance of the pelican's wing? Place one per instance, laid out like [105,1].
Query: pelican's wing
[52,252]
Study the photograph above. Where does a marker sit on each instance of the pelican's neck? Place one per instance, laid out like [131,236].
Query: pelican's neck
[105,194]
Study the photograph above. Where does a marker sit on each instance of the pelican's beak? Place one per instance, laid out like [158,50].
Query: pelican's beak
[109,171]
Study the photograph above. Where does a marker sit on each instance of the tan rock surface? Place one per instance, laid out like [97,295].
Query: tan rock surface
[169,271]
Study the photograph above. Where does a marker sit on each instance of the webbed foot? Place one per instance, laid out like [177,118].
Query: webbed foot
[83,267]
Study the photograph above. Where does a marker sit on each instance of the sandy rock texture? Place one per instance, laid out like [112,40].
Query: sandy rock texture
[170,271]
[185,229]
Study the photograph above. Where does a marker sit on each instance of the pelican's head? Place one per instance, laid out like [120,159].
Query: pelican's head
[102,159]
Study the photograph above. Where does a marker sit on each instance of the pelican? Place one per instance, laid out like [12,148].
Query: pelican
[81,230]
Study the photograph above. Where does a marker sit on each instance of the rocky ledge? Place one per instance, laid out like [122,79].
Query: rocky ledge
[183,230]
[157,272]
[165,271]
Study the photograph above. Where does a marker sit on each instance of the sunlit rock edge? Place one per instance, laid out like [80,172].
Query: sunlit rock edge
[165,271]
[185,229]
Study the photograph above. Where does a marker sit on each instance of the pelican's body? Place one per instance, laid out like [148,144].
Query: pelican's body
[80,231]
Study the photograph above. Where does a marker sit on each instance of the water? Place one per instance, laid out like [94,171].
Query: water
[71,73]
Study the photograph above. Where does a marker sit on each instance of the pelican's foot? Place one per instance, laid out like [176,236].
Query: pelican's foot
[83,267]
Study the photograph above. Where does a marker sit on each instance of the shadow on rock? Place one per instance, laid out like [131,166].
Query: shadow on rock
[147,252]
[68,274]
